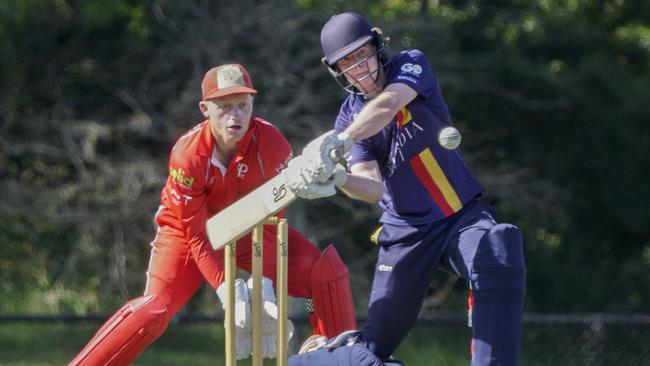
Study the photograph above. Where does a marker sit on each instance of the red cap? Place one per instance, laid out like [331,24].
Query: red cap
[226,80]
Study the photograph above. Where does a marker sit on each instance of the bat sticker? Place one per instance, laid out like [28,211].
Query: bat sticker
[279,193]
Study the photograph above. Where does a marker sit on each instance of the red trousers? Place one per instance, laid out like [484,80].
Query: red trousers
[176,271]
[174,274]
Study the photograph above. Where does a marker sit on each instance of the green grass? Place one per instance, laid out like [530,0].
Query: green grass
[41,344]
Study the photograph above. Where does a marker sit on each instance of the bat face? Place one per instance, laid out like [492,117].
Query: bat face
[266,200]
[239,218]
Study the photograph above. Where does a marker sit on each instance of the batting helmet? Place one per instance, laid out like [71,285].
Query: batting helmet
[343,34]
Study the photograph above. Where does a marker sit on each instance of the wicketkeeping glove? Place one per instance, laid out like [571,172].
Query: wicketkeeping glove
[242,316]
[270,318]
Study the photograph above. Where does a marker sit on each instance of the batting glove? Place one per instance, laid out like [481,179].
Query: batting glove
[270,318]
[340,176]
[318,153]
[301,180]
[242,316]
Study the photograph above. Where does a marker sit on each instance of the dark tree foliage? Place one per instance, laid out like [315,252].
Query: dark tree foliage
[551,98]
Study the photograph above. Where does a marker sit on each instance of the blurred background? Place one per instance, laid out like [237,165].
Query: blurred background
[552,98]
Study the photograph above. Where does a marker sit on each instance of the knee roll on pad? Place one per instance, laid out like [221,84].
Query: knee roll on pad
[331,295]
[126,334]
[505,244]
[499,261]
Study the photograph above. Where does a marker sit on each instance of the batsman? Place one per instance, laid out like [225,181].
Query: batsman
[431,213]
[211,166]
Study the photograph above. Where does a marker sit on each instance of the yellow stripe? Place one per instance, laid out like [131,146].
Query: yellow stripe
[407,116]
[374,238]
[440,179]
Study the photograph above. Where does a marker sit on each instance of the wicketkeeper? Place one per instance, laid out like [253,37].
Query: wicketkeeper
[431,215]
[211,166]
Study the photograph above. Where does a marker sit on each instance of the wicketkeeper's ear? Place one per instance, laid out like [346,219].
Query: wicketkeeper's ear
[204,108]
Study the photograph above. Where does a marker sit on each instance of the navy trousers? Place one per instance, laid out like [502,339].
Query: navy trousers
[470,244]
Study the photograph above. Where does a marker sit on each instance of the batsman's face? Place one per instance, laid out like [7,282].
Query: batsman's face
[229,116]
[361,69]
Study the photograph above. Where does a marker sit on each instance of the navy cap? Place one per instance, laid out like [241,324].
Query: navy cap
[342,34]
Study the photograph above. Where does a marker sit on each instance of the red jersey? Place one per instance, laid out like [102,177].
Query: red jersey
[198,185]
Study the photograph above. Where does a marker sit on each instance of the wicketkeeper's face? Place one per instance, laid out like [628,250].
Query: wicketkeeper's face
[229,116]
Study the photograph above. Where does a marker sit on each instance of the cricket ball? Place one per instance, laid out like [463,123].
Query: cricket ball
[449,138]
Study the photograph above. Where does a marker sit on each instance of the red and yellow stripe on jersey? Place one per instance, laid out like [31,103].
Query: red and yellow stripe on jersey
[432,177]
[429,173]
[403,117]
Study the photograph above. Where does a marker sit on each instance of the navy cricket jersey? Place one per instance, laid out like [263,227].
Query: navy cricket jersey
[423,182]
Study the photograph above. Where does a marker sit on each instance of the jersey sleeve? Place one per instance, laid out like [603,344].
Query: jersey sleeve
[275,150]
[344,118]
[281,156]
[413,69]
[361,150]
[186,196]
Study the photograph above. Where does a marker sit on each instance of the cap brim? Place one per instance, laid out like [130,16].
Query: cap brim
[229,91]
[348,49]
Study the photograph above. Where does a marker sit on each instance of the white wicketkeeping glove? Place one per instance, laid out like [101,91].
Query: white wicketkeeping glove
[317,153]
[301,180]
[242,316]
[270,318]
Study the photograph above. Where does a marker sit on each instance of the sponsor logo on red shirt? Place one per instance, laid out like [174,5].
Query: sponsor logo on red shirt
[179,176]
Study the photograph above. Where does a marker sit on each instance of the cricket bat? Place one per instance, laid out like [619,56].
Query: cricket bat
[266,200]
[239,218]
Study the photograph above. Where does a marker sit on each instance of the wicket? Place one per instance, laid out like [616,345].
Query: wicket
[256,304]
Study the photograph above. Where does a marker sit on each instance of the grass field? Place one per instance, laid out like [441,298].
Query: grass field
[41,344]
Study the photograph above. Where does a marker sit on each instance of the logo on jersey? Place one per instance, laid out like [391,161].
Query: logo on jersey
[413,69]
[179,176]
[242,169]
[402,139]
[384,268]
[284,164]
[178,199]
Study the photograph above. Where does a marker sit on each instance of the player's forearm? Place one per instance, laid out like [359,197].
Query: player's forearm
[363,188]
[207,259]
[374,117]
